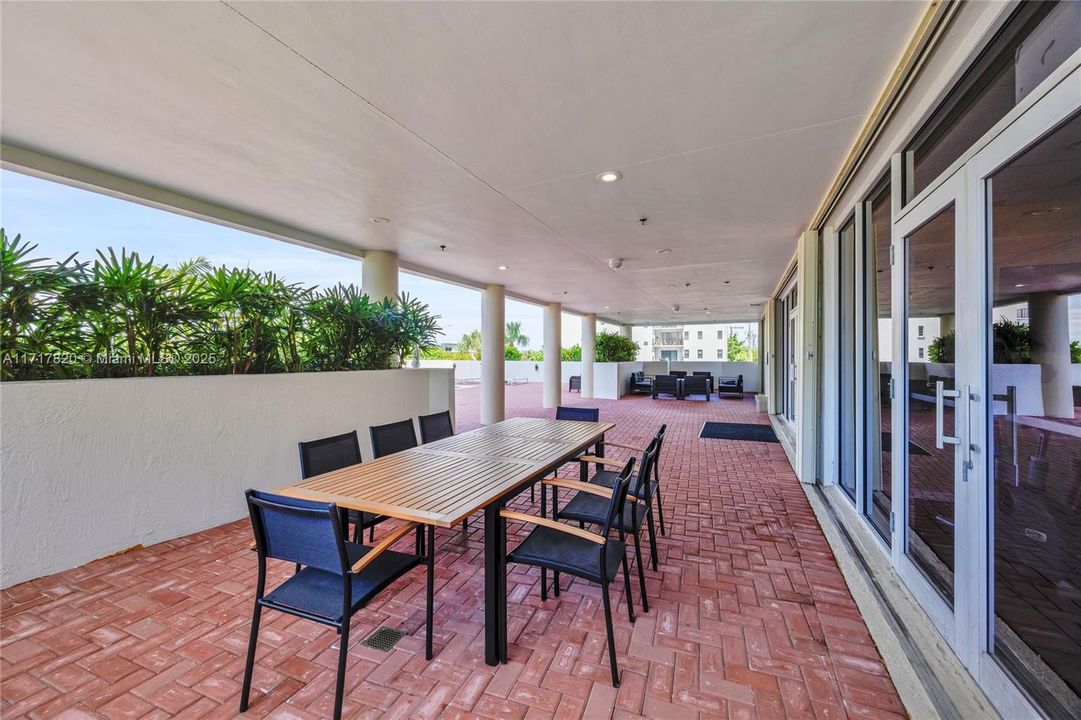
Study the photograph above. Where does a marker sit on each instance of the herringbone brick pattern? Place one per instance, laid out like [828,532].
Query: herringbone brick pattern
[749,616]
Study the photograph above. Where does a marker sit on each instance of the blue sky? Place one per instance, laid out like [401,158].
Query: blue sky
[61,220]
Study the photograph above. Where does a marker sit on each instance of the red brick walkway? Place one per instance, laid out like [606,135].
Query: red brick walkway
[749,616]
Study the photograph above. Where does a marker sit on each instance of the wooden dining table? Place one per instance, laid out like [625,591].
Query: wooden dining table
[444,482]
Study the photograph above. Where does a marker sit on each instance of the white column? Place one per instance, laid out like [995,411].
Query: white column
[553,362]
[1049,320]
[625,331]
[379,274]
[492,349]
[589,352]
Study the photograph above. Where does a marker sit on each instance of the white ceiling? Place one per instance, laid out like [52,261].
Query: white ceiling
[479,126]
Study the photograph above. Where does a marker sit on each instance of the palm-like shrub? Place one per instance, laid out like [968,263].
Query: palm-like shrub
[613,347]
[124,316]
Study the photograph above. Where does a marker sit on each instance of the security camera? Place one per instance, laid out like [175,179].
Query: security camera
[615,263]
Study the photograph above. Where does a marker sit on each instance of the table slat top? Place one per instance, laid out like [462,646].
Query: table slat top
[443,482]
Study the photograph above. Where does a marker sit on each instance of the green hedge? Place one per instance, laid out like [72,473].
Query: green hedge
[121,316]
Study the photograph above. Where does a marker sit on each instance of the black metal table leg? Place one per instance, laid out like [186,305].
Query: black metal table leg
[495,596]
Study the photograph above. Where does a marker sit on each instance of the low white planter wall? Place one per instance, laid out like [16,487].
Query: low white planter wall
[93,467]
[528,370]
[749,371]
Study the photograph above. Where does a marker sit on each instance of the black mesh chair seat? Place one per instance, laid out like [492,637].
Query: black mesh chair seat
[318,592]
[561,552]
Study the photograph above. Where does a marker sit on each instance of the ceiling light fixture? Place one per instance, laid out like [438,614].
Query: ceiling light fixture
[1045,211]
[610,176]
[502,267]
[607,307]
[1019,285]
[379,219]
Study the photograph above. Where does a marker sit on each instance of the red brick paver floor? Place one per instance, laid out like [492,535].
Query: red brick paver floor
[749,616]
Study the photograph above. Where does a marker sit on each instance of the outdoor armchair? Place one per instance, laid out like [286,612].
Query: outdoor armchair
[336,578]
[696,385]
[668,385]
[334,453]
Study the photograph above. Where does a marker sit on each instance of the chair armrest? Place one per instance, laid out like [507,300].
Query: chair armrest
[579,486]
[603,461]
[552,524]
[383,545]
[609,443]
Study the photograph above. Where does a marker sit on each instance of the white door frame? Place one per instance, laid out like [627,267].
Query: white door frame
[968,628]
[948,193]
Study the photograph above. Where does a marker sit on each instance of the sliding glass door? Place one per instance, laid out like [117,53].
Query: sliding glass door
[985,404]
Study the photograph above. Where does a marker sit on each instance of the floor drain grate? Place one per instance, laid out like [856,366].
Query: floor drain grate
[384,638]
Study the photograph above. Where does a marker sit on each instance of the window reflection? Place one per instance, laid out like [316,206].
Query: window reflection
[1036,442]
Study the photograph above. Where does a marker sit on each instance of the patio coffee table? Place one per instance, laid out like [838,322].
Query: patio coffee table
[444,482]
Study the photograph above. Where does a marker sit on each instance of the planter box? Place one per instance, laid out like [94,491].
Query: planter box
[93,467]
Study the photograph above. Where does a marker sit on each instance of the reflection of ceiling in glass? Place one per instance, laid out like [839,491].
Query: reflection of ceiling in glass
[1036,226]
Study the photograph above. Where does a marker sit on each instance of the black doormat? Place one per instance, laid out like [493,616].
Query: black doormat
[913,448]
[738,431]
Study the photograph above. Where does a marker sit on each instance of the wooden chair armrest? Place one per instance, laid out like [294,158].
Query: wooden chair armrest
[579,486]
[383,545]
[603,461]
[609,443]
[552,524]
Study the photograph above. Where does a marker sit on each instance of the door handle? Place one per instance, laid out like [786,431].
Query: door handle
[941,439]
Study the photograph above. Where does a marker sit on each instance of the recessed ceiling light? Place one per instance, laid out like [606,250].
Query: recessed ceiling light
[610,176]
[708,311]
[1019,285]
[379,219]
[607,307]
[1045,211]
[502,267]
[664,251]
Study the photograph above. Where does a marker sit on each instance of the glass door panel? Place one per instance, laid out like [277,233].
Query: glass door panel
[878,496]
[1034,361]
[928,352]
[848,430]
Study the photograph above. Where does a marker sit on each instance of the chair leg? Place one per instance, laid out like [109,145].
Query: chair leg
[627,588]
[431,593]
[555,582]
[611,636]
[641,570]
[371,534]
[465,530]
[544,584]
[532,494]
[652,538]
[660,504]
[339,685]
[249,666]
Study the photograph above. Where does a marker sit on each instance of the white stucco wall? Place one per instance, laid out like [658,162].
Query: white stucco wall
[93,467]
[531,370]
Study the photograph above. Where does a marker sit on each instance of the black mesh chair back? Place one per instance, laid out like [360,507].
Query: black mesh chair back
[705,373]
[578,413]
[392,437]
[331,453]
[678,373]
[618,501]
[297,531]
[435,427]
[667,384]
[696,385]
[642,487]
